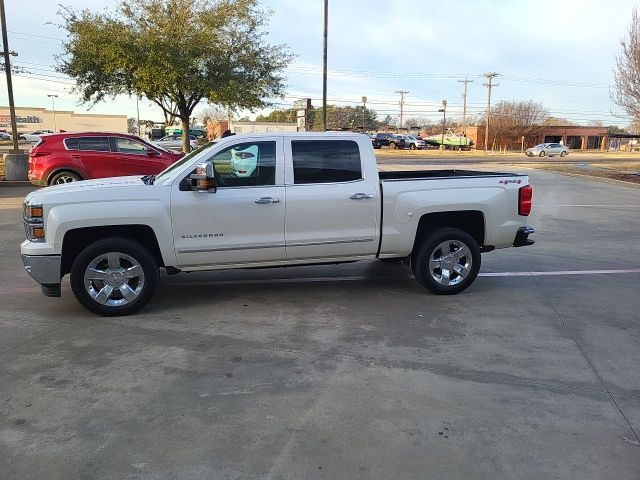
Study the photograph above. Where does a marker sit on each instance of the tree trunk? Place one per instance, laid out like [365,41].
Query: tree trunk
[186,146]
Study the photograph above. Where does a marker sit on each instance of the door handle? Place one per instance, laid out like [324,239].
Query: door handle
[360,196]
[267,200]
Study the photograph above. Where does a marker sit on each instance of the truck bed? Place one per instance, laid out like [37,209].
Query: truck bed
[399,175]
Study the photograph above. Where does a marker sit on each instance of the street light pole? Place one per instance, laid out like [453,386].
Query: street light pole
[444,121]
[7,68]
[138,114]
[364,109]
[53,101]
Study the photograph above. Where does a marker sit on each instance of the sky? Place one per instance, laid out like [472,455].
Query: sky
[560,53]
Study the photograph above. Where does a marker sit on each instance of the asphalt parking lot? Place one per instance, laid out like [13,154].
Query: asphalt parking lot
[342,372]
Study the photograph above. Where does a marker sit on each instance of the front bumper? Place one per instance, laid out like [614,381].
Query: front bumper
[522,239]
[44,269]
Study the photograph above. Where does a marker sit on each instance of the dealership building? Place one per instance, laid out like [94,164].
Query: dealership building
[31,119]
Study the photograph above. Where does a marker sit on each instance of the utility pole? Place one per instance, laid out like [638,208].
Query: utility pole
[7,68]
[402,94]
[53,102]
[464,108]
[444,122]
[364,109]
[324,66]
[489,76]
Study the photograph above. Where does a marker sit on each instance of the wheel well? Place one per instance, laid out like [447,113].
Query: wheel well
[60,170]
[471,221]
[77,239]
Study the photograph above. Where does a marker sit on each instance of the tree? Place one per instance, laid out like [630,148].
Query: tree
[346,118]
[510,121]
[280,116]
[132,125]
[615,129]
[626,75]
[213,113]
[176,53]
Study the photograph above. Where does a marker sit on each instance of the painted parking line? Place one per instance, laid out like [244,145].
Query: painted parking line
[559,272]
[586,205]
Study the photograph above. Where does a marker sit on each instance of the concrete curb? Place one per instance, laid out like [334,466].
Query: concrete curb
[5,183]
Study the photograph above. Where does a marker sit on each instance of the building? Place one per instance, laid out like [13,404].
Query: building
[31,119]
[574,137]
[262,127]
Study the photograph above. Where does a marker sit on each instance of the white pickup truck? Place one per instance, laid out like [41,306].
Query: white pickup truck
[268,200]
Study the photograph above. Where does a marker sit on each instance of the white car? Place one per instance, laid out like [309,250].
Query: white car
[174,142]
[33,137]
[547,149]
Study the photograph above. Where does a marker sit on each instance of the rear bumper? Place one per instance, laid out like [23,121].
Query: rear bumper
[522,237]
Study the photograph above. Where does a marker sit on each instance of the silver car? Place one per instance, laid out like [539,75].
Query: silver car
[547,149]
[413,142]
[174,142]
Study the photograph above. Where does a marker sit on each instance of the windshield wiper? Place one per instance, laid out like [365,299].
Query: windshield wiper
[148,179]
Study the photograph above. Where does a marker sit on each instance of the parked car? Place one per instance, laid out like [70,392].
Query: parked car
[174,142]
[35,136]
[397,141]
[310,198]
[5,136]
[69,157]
[548,149]
[380,140]
[413,142]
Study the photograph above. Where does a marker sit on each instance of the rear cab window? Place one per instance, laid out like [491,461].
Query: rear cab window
[325,161]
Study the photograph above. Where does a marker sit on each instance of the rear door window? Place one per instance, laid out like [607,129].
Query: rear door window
[96,144]
[325,161]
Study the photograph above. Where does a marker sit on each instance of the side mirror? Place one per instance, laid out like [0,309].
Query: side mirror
[205,178]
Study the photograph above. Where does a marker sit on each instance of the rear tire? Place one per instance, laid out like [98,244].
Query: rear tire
[447,261]
[563,154]
[61,178]
[392,145]
[114,276]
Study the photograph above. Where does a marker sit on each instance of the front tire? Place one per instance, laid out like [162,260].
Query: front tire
[542,153]
[392,146]
[447,261]
[114,276]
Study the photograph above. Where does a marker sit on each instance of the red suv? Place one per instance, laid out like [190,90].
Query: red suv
[69,157]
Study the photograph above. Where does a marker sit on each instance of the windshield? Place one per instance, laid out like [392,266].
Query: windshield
[165,173]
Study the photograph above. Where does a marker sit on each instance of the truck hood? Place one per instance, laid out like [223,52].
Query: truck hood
[63,193]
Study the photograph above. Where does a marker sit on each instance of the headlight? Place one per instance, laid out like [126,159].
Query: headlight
[33,215]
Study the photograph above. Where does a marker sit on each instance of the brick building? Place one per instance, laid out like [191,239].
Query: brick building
[574,137]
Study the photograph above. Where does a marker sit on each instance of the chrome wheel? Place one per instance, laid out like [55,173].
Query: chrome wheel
[450,263]
[114,279]
[64,179]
